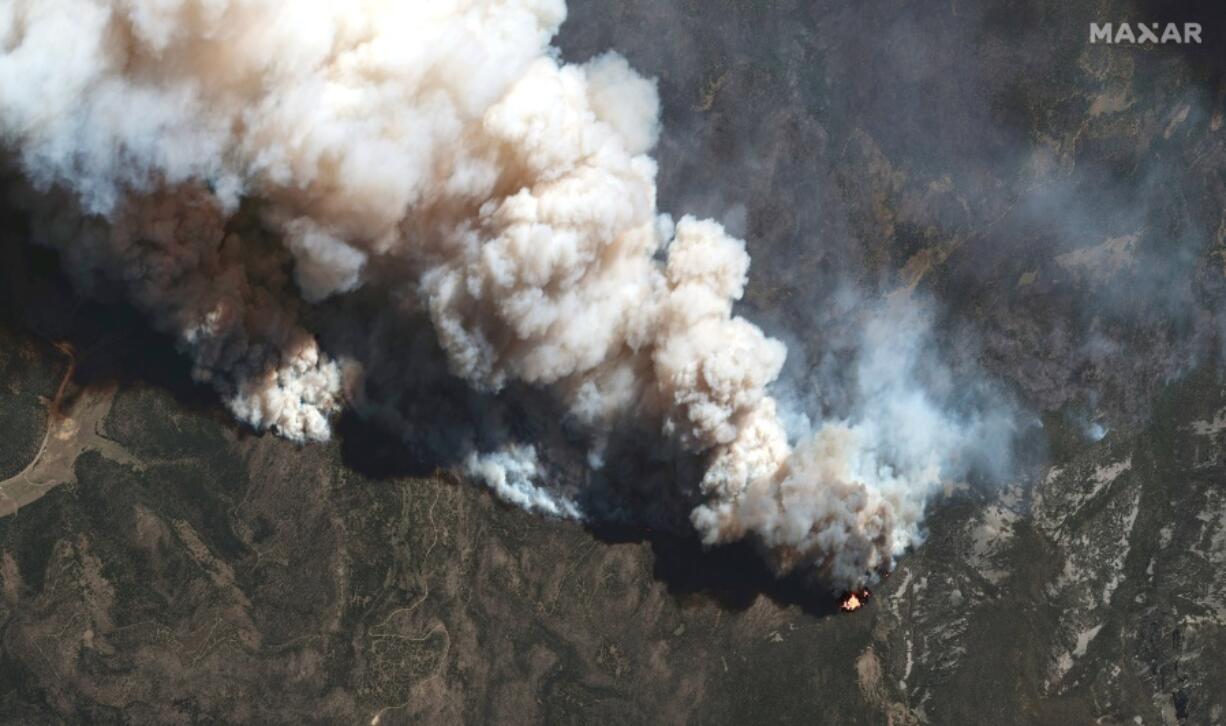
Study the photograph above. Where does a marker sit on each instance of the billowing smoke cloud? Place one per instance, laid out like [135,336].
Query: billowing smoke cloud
[440,156]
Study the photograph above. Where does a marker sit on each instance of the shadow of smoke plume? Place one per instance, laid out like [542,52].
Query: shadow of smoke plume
[112,341]
[920,403]
[413,418]
[879,366]
[115,344]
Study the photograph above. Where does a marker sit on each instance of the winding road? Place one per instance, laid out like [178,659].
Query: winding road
[73,427]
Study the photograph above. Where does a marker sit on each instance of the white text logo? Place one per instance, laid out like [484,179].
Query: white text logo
[1137,33]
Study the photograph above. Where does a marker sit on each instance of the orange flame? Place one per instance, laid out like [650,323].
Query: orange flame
[854,600]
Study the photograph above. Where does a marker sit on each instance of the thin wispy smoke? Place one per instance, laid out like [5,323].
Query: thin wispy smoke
[439,156]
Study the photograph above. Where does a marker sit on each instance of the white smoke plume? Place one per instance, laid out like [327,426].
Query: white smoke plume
[440,155]
[512,475]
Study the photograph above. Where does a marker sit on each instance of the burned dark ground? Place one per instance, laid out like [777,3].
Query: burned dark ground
[1060,204]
